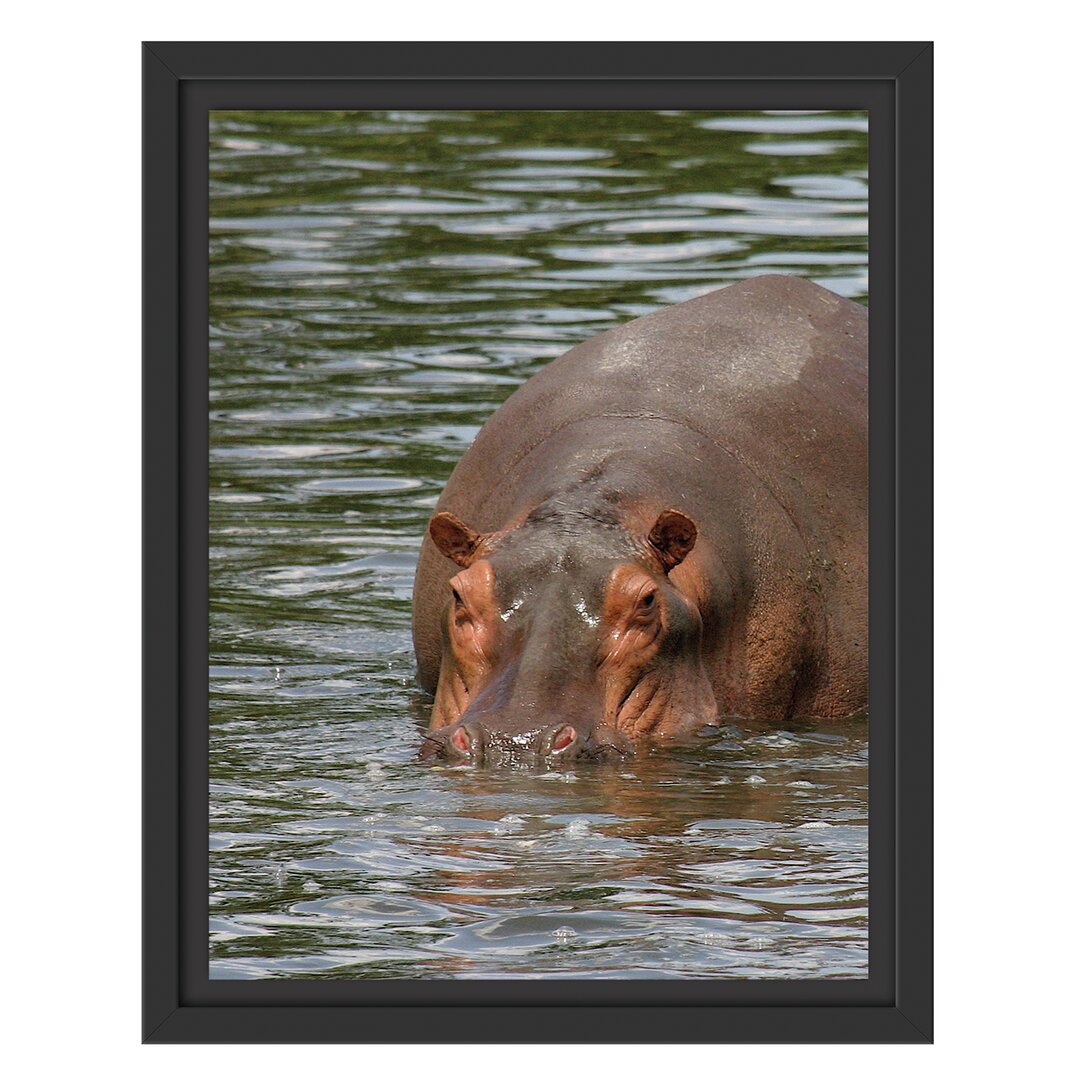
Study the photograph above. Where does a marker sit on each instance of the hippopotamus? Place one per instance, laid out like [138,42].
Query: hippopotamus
[665,526]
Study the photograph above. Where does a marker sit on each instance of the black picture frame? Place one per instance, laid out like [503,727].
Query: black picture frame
[181,81]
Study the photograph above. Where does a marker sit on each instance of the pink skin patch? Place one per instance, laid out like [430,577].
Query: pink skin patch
[563,738]
[461,740]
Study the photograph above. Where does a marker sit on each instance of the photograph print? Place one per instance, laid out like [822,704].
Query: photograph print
[538,545]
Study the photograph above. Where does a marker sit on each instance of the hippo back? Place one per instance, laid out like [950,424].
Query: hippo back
[769,374]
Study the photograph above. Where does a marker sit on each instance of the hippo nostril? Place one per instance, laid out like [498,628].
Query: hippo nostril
[462,741]
[564,737]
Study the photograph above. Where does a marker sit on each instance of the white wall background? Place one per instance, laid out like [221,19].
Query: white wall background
[1006,510]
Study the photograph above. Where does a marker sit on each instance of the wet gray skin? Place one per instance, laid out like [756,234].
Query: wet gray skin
[544,703]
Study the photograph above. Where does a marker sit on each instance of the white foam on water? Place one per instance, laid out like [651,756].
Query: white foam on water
[508,824]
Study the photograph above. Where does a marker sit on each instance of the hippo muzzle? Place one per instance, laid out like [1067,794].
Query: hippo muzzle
[549,744]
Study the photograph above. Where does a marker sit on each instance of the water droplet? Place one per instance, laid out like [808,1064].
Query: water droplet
[564,933]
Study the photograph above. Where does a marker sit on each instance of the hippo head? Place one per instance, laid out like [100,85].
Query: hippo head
[564,636]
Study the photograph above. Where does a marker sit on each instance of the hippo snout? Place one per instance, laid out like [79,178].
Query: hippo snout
[470,740]
[553,743]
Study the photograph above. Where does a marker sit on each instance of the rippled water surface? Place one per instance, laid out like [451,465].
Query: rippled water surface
[380,283]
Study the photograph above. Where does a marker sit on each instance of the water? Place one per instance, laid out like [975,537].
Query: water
[380,283]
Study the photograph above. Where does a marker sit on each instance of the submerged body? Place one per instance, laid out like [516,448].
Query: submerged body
[665,525]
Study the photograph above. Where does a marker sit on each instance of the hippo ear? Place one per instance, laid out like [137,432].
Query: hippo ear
[454,538]
[673,537]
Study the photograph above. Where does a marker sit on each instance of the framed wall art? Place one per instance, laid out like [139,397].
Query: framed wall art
[537,542]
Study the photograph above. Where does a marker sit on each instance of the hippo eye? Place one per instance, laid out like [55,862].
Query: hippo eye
[646,606]
[457,597]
